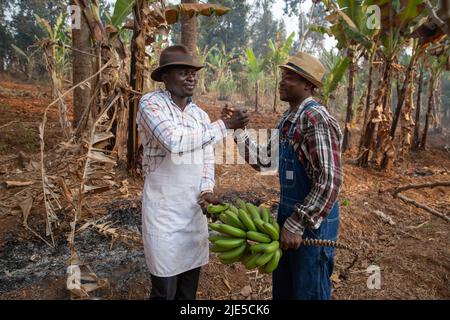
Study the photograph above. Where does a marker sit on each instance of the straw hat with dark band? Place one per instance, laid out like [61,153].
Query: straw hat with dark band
[307,67]
[174,56]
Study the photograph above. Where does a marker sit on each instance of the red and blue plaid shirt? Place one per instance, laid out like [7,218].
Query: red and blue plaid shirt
[317,143]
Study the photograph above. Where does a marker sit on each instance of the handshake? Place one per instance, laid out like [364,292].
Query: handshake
[234,118]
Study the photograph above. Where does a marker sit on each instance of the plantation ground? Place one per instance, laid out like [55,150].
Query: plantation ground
[412,251]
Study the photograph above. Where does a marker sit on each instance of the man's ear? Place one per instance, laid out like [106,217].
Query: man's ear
[309,85]
[164,77]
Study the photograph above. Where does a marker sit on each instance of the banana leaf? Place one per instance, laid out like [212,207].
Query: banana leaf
[190,9]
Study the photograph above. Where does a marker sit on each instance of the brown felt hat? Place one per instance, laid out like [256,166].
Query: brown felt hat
[307,67]
[174,56]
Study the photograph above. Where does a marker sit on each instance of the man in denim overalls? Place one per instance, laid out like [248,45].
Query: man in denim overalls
[308,143]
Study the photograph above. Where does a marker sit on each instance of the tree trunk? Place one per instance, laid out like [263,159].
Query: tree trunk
[376,115]
[189,31]
[369,93]
[257,95]
[275,99]
[429,110]
[350,94]
[416,140]
[81,67]
[401,95]
[437,107]
[136,82]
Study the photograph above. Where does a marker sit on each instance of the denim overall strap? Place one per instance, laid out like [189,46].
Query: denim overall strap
[303,273]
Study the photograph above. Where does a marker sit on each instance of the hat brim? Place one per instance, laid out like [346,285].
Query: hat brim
[156,74]
[305,75]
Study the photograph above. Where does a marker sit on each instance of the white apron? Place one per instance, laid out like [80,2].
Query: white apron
[174,229]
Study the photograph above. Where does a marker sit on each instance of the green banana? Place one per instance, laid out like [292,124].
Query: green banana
[251,262]
[223,217]
[215,227]
[271,231]
[253,210]
[233,220]
[229,243]
[259,247]
[233,209]
[241,204]
[265,213]
[258,236]
[217,208]
[216,248]
[229,261]
[215,237]
[273,263]
[264,258]
[229,230]
[271,247]
[233,253]
[245,258]
[259,225]
[277,226]
[244,217]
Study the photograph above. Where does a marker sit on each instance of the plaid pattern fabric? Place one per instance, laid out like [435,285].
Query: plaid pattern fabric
[164,129]
[317,142]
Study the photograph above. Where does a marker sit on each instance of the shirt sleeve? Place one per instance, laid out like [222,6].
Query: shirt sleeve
[170,135]
[322,145]
[207,180]
[219,130]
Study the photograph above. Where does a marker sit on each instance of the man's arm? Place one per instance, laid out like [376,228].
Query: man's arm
[323,147]
[259,156]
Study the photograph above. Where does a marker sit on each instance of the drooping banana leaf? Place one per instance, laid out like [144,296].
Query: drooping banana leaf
[122,10]
[190,9]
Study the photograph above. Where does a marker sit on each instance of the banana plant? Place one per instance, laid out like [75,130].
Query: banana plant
[59,41]
[203,56]
[436,65]
[56,57]
[219,61]
[255,67]
[398,19]
[349,28]
[278,54]
[334,76]
[29,58]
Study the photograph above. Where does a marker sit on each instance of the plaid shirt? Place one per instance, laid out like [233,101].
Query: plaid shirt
[317,143]
[165,128]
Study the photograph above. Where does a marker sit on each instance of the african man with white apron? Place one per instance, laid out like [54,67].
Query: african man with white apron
[178,163]
[308,146]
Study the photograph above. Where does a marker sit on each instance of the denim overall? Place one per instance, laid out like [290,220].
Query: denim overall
[303,273]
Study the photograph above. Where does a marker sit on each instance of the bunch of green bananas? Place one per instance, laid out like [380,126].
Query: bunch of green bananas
[246,233]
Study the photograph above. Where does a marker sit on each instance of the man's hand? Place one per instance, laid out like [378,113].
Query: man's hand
[227,112]
[289,240]
[234,119]
[205,199]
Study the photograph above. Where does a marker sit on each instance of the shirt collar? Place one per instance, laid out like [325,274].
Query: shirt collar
[292,117]
[169,96]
